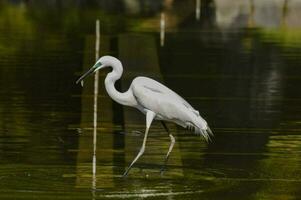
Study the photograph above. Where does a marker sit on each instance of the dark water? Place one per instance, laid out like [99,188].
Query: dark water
[238,63]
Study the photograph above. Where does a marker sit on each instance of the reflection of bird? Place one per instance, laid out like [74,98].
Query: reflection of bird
[152,98]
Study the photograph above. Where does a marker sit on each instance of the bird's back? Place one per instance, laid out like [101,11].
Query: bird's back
[167,104]
[157,87]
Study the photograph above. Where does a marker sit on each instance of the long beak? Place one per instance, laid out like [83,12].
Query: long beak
[90,71]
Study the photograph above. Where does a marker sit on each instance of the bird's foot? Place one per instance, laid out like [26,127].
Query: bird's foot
[162,170]
[125,174]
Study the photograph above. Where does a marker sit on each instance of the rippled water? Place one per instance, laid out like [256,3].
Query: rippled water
[238,63]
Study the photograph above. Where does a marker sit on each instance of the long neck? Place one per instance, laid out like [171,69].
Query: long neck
[125,98]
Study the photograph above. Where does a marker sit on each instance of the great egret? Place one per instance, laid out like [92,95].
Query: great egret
[153,99]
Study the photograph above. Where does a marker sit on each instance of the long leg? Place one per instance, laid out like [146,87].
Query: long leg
[150,115]
[172,142]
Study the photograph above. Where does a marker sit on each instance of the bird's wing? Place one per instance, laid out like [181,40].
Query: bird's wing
[156,97]
[150,93]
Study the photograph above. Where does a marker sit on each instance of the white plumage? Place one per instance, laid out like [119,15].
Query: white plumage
[152,98]
[167,105]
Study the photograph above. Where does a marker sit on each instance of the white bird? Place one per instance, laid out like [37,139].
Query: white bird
[153,99]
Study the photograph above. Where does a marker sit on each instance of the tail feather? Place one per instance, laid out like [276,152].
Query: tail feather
[209,131]
[206,133]
[201,128]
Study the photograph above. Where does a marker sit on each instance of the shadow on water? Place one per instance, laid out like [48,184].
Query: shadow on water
[237,63]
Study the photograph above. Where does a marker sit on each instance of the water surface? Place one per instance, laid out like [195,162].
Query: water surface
[236,62]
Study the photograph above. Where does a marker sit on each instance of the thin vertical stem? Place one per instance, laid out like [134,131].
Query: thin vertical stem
[95,104]
[162,29]
[251,15]
[198,9]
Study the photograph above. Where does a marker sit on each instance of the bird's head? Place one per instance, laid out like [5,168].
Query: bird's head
[104,61]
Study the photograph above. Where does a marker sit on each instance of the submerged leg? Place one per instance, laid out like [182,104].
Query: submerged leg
[172,142]
[150,115]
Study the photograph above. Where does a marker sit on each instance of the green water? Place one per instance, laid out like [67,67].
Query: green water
[238,63]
